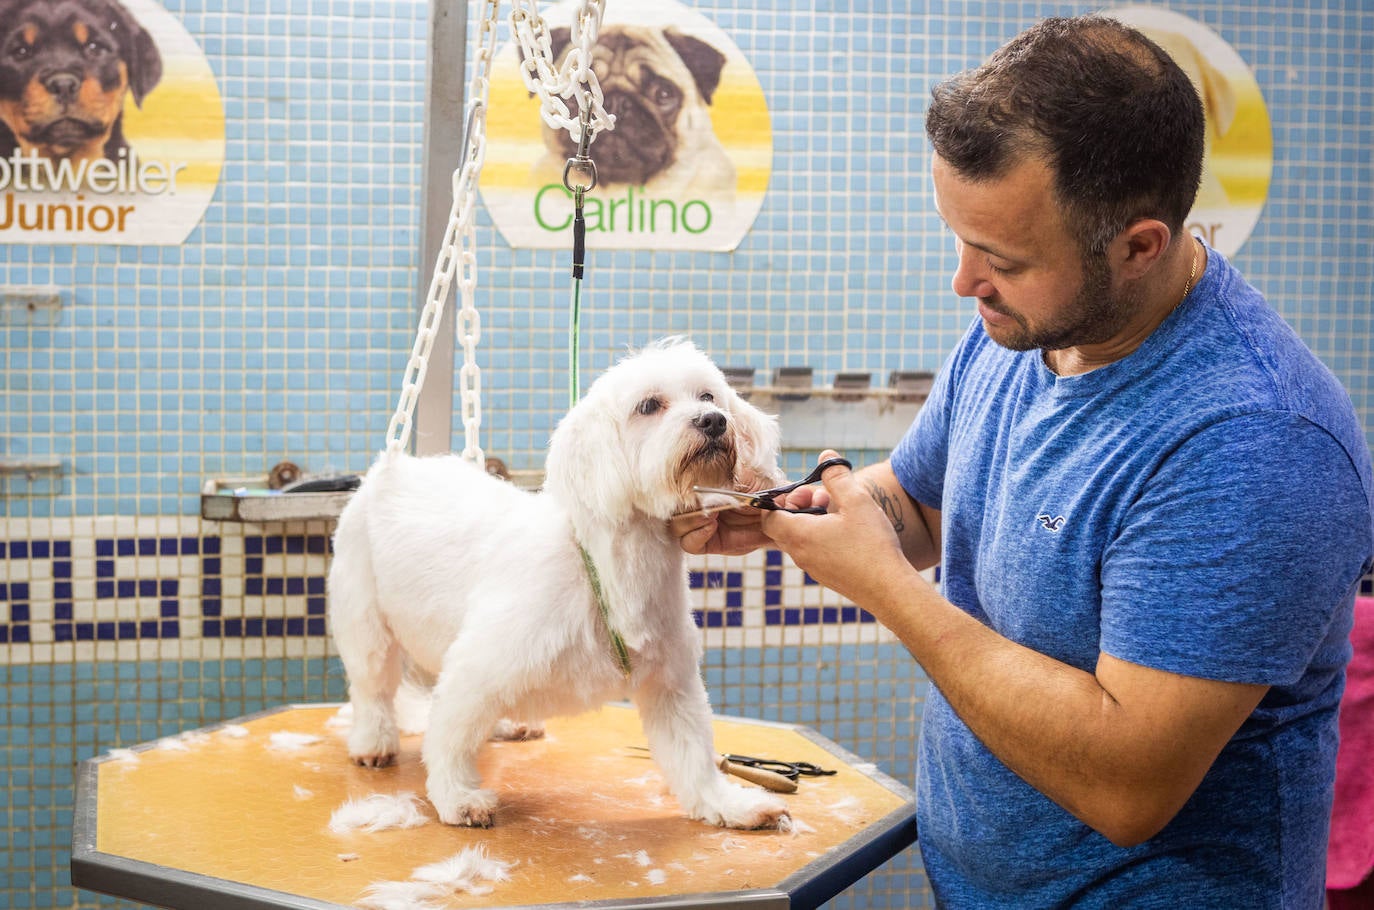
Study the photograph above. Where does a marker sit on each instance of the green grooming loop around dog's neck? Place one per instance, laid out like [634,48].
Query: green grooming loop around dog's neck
[622,653]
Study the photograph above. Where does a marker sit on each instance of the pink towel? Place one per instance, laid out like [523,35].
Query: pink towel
[1351,854]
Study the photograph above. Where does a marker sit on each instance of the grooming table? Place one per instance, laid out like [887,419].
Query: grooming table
[237,816]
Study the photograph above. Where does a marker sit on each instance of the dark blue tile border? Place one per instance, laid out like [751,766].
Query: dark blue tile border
[72,622]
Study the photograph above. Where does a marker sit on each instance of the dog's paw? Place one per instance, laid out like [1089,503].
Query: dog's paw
[747,809]
[509,730]
[473,809]
[372,750]
[373,739]
[374,759]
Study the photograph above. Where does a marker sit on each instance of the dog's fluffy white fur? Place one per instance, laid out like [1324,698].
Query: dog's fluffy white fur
[481,585]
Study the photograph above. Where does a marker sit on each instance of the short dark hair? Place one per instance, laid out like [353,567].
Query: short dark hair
[1116,120]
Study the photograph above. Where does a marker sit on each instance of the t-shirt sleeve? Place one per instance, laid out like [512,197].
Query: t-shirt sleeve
[1238,550]
[918,461]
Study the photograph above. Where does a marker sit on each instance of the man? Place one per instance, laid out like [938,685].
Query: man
[1152,505]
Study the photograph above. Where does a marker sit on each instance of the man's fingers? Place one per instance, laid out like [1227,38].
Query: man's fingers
[836,477]
[694,532]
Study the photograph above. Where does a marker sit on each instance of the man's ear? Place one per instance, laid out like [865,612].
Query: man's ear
[1139,248]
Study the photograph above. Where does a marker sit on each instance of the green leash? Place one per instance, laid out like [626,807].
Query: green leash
[579,176]
[622,653]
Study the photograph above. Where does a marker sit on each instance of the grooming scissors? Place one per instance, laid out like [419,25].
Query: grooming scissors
[788,769]
[767,499]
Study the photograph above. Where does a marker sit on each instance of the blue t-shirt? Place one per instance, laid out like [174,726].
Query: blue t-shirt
[1202,506]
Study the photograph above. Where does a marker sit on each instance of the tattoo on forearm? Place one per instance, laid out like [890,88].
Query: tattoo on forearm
[891,506]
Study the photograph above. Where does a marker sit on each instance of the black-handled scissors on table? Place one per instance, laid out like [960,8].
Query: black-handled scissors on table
[788,769]
[767,499]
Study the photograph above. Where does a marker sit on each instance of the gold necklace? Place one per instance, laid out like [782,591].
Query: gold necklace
[1192,273]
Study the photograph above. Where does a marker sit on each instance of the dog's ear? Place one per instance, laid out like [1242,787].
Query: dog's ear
[703,61]
[146,70]
[586,468]
[140,53]
[757,440]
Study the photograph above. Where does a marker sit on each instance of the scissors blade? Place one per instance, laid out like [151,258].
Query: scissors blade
[744,499]
[737,494]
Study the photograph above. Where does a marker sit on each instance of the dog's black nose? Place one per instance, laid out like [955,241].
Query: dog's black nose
[62,86]
[712,423]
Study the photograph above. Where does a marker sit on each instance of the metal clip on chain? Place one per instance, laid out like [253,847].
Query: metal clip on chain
[579,177]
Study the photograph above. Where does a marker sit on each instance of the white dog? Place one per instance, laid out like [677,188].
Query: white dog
[528,605]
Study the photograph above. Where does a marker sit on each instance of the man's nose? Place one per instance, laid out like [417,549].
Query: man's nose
[970,277]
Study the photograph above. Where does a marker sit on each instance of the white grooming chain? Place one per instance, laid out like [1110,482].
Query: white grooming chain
[458,251]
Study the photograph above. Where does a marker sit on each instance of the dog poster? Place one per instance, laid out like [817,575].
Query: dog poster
[111,124]
[1239,157]
[687,164]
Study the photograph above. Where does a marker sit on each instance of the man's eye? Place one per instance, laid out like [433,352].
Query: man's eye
[649,406]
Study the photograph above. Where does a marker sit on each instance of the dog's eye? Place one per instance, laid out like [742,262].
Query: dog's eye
[649,406]
[94,49]
[706,396]
[664,94]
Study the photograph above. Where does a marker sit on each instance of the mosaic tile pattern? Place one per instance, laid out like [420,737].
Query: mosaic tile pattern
[199,584]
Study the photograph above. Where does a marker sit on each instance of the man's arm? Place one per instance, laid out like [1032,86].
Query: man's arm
[1122,747]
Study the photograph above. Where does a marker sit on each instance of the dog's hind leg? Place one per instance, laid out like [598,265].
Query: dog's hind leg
[371,658]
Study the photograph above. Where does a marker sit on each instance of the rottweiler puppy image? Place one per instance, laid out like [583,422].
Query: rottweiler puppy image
[65,68]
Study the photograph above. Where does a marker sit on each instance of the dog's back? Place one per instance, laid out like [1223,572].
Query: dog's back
[415,547]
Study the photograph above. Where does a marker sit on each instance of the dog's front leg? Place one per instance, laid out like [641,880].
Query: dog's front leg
[462,714]
[677,722]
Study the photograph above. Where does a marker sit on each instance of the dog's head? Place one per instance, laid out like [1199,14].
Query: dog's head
[650,428]
[65,67]
[658,83]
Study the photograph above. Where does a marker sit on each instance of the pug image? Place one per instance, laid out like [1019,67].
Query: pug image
[658,83]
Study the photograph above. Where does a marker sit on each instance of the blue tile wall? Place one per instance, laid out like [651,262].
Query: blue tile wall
[280,329]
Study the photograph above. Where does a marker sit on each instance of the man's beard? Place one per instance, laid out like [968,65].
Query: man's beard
[1095,315]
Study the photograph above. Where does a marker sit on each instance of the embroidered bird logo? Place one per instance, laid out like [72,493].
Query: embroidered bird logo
[1050,523]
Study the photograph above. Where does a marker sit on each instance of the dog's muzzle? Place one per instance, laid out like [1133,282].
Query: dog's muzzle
[712,423]
[714,454]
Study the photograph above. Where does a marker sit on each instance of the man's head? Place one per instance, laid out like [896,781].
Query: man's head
[1115,120]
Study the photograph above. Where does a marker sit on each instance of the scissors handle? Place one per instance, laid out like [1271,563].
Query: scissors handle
[769,780]
[814,476]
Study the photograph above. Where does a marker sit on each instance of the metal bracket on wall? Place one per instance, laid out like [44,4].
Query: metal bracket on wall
[32,470]
[30,306]
[849,414]
[31,477]
[251,499]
